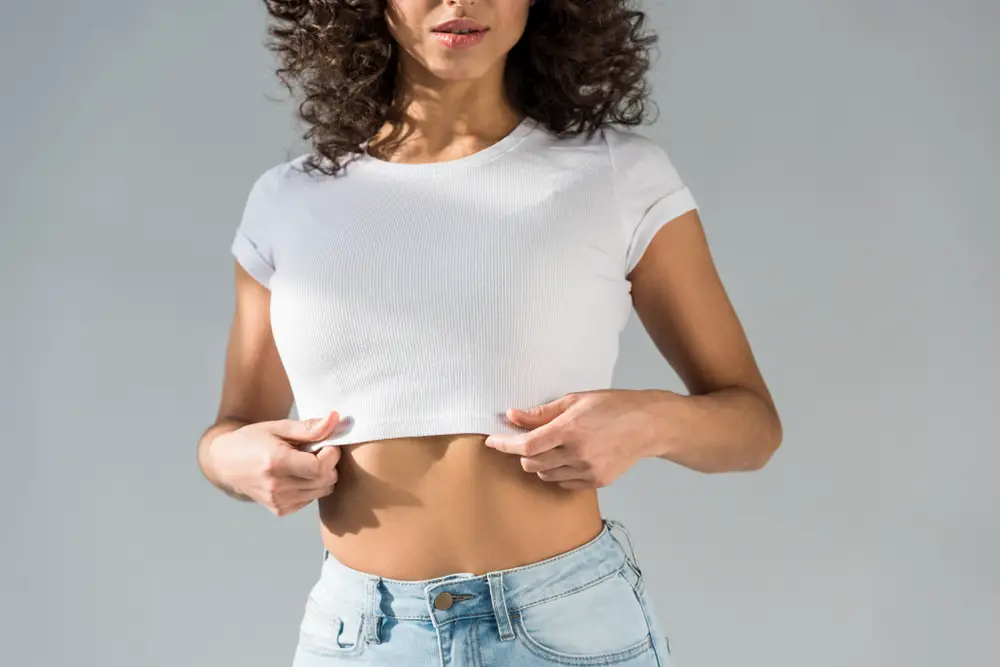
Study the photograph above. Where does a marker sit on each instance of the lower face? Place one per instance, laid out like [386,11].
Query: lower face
[452,56]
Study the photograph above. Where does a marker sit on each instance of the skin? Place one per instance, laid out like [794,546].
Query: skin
[416,508]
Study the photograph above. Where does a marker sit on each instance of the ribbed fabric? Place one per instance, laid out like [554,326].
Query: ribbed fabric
[423,299]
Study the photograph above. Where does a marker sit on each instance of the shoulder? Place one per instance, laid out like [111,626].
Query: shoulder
[617,136]
[626,153]
[263,199]
[632,153]
[279,176]
[648,188]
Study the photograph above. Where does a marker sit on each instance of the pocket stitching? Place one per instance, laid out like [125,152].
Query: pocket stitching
[547,653]
[583,587]
[320,645]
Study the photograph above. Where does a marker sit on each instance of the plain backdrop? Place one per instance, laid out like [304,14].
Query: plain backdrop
[845,156]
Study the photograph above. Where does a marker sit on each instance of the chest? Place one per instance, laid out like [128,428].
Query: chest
[374,269]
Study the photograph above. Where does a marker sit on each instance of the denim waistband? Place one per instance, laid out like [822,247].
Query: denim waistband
[498,593]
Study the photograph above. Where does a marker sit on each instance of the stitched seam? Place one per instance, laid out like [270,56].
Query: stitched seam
[562,594]
[601,659]
[579,588]
[513,570]
[477,658]
[614,194]
[456,618]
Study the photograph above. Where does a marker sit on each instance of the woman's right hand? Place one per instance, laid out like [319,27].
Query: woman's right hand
[261,461]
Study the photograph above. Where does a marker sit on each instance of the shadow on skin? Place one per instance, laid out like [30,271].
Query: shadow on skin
[440,493]
[424,471]
[401,463]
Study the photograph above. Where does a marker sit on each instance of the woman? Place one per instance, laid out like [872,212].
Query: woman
[463,241]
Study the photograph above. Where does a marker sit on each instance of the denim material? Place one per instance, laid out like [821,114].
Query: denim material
[587,606]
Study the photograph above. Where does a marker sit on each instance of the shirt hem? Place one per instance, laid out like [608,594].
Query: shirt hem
[357,432]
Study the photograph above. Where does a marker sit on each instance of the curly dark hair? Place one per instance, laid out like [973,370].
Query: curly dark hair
[580,65]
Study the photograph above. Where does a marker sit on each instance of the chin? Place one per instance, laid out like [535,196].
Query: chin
[458,71]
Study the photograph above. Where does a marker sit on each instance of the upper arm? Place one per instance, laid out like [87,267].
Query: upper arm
[676,289]
[255,386]
[683,305]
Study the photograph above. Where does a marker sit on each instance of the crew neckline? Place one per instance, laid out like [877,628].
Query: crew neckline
[497,148]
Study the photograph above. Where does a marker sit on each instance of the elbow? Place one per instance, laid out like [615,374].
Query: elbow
[762,456]
[764,449]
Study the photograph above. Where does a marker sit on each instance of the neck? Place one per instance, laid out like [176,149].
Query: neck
[437,119]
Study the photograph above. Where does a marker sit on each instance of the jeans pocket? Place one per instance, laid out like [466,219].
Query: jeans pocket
[330,627]
[600,624]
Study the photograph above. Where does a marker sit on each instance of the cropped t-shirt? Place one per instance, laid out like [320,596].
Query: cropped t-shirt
[425,299]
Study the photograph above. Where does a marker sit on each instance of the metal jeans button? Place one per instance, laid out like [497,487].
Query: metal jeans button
[443,600]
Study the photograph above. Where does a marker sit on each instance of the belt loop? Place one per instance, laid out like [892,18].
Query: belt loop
[500,605]
[370,618]
[631,548]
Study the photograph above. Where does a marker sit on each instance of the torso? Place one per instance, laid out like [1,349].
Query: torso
[421,301]
[409,335]
[418,508]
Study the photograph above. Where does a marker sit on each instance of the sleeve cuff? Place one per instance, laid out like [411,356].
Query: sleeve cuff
[663,211]
[251,260]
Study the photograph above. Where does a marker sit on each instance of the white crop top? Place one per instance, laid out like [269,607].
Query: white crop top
[422,299]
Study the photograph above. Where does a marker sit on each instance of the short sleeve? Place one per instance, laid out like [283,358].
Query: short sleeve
[252,245]
[649,190]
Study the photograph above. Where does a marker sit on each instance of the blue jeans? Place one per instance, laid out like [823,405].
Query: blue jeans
[587,606]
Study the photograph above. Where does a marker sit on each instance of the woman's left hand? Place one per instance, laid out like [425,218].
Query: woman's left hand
[584,439]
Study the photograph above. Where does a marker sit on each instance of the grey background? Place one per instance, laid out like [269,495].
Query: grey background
[844,155]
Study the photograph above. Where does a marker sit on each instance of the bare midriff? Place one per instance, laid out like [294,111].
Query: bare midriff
[419,508]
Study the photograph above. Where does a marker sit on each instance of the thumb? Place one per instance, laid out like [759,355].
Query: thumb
[539,414]
[309,430]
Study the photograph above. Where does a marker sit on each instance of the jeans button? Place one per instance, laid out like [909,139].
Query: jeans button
[443,600]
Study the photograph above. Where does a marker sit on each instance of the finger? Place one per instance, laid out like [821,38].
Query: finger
[289,500]
[561,474]
[302,484]
[285,510]
[329,455]
[306,496]
[542,414]
[577,484]
[306,430]
[533,443]
[554,458]
[319,467]
[303,465]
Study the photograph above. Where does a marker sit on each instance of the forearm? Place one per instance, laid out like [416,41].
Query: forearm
[728,430]
[220,428]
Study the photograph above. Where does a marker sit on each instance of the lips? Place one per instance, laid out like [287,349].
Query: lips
[460,33]
[459,26]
